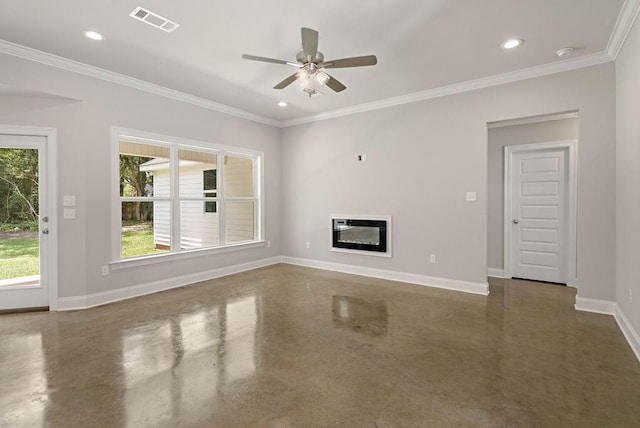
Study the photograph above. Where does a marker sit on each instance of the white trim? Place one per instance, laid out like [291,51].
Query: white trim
[629,332]
[597,306]
[532,119]
[146,137]
[51,147]
[625,21]
[174,143]
[457,88]
[97,299]
[360,252]
[183,254]
[572,150]
[624,24]
[444,283]
[46,58]
[495,273]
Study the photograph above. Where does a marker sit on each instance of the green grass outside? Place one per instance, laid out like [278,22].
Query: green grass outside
[19,257]
[19,226]
[137,243]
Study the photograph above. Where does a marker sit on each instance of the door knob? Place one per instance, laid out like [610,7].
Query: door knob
[515,221]
[45,231]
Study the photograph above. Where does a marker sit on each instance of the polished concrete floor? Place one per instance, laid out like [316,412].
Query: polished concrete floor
[287,346]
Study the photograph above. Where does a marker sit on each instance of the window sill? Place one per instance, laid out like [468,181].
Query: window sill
[187,254]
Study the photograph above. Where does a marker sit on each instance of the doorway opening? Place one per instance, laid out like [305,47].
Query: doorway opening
[28,258]
[532,192]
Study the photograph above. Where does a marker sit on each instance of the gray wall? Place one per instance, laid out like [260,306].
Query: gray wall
[541,132]
[423,157]
[628,178]
[84,150]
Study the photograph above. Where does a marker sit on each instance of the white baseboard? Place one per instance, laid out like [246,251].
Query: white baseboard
[495,273]
[629,332]
[97,299]
[605,307]
[448,284]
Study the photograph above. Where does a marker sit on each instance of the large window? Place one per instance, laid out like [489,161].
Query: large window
[177,196]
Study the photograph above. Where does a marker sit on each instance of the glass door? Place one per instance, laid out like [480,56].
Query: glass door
[23,223]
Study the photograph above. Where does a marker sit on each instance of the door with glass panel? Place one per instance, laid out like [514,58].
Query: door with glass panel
[23,222]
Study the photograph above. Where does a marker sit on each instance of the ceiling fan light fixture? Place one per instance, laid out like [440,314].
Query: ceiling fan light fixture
[305,80]
[512,43]
[311,66]
[322,77]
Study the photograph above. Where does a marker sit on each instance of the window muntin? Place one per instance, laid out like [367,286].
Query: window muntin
[198,197]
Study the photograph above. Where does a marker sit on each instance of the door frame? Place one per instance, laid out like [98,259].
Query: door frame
[51,183]
[571,146]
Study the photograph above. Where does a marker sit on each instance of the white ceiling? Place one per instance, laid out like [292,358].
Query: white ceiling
[420,44]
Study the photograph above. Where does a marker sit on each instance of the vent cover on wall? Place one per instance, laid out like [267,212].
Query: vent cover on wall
[153,19]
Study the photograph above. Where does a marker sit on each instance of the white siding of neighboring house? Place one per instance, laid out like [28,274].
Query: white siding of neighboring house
[200,229]
[238,182]
[161,210]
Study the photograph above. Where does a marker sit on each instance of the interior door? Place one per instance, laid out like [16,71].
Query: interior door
[23,222]
[539,186]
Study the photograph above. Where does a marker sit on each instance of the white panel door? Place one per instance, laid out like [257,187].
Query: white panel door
[539,209]
[24,231]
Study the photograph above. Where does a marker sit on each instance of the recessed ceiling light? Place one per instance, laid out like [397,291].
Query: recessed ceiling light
[93,35]
[513,43]
[564,52]
[282,104]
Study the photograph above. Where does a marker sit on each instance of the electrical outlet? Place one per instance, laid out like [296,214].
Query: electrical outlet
[432,259]
[308,244]
[362,157]
[268,244]
[105,270]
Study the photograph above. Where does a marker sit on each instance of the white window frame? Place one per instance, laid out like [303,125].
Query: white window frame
[175,143]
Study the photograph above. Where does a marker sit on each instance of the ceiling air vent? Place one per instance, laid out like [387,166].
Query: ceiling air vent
[153,19]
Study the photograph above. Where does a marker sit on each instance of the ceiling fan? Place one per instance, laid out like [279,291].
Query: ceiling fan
[311,65]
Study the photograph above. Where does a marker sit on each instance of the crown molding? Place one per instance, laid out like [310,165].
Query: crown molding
[626,18]
[624,24]
[457,88]
[533,119]
[45,58]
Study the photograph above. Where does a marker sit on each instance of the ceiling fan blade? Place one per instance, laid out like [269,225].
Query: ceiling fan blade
[335,85]
[309,43]
[286,82]
[274,61]
[356,61]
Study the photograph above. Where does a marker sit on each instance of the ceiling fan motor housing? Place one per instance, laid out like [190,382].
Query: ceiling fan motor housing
[302,58]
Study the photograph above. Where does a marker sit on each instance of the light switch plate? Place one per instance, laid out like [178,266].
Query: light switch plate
[69,214]
[471,196]
[69,201]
